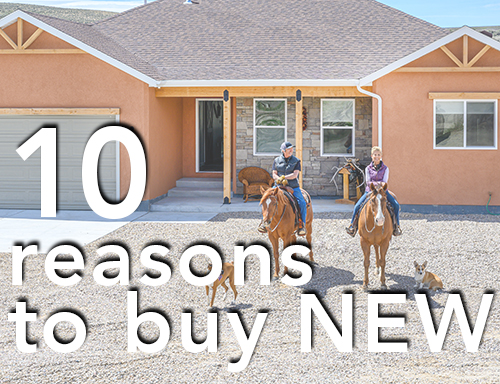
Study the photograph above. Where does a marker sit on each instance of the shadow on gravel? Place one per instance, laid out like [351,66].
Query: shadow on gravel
[233,307]
[432,217]
[407,284]
[325,278]
[222,217]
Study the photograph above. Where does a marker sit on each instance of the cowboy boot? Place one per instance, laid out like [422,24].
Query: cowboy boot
[351,230]
[353,227]
[302,229]
[397,231]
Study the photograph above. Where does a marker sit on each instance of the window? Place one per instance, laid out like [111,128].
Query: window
[269,121]
[337,127]
[465,124]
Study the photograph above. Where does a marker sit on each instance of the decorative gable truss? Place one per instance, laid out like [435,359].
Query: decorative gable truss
[464,38]
[20,37]
[463,64]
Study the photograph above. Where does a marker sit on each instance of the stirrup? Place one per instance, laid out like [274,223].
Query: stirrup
[302,231]
[397,231]
[351,230]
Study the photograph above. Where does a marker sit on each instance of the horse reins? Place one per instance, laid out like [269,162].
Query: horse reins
[284,209]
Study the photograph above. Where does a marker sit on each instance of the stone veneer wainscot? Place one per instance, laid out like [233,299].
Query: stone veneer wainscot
[317,169]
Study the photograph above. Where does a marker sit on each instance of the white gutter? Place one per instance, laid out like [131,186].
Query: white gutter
[379,99]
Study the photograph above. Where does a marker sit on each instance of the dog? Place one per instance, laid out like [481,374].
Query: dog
[426,279]
[226,273]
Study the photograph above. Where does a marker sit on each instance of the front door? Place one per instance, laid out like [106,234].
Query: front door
[210,136]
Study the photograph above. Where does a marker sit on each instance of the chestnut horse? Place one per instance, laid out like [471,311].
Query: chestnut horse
[375,228]
[279,219]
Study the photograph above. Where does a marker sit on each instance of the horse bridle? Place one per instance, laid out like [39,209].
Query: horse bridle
[282,214]
[374,223]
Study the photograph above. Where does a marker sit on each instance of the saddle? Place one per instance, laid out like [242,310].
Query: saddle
[288,192]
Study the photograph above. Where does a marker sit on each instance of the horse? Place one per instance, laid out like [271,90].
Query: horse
[279,219]
[375,228]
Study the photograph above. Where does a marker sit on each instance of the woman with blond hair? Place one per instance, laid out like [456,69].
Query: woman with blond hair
[376,172]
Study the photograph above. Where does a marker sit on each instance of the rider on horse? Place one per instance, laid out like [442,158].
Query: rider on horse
[376,172]
[287,167]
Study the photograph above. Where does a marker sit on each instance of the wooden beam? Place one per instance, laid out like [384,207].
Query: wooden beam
[40,51]
[19,33]
[7,39]
[451,56]
[448,69]
[478,56]
[465,50]
[233,142]
[260,91]
[227,149]
[464,95]
[32,38]
[298,130]
[60,111]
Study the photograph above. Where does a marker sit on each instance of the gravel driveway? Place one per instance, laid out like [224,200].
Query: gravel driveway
[462,250]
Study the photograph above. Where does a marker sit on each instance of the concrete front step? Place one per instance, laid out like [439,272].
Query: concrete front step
[191,187]
[199,183]
[196,192]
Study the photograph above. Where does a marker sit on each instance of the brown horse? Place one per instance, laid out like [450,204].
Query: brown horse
[279,219]
[375,228]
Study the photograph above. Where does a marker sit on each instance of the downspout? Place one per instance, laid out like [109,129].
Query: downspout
[379,99]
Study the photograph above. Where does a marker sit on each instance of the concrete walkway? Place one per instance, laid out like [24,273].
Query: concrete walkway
[25,227]
[213,204]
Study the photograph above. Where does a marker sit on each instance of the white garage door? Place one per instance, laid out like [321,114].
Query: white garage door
[20,180]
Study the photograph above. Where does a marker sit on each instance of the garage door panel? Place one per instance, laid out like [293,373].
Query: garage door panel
[20,180]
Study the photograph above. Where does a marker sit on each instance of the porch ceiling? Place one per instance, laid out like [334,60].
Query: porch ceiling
[260,91]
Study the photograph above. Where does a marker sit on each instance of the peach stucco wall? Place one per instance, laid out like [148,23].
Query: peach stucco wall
[165,145]
[83,81]
[420,174]
[74,81]
[189,141]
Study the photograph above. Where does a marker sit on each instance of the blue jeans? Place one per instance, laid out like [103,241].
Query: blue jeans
[302,203]
[358,205]
[390,199]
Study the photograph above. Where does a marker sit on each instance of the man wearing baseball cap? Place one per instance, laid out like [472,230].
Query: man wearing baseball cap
[288,167]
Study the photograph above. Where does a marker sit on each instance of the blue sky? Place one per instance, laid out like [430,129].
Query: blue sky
[445,13]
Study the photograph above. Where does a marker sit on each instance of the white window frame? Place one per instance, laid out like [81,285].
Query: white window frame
[352,154]
[465,101]
[261,126]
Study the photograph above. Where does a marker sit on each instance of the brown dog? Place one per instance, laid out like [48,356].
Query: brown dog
[226,273]
[426,279]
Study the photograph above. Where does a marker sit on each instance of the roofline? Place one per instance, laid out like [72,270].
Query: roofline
[12,18]
[260,83]
[465,30]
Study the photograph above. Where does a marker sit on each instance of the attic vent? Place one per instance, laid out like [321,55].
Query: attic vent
[487,33]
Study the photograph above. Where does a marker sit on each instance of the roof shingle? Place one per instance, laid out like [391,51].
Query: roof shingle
[256,39]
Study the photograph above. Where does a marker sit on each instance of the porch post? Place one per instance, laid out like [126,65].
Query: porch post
[298,130]
[227,148]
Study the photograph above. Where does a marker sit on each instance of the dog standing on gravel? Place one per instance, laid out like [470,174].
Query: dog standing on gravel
[226,273]
[426,279]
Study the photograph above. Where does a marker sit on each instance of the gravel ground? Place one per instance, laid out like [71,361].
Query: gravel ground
[462,250]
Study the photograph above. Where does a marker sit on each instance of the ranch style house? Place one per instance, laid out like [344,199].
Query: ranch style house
[214,86]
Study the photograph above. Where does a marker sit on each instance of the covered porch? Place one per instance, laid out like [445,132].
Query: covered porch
[303,127]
